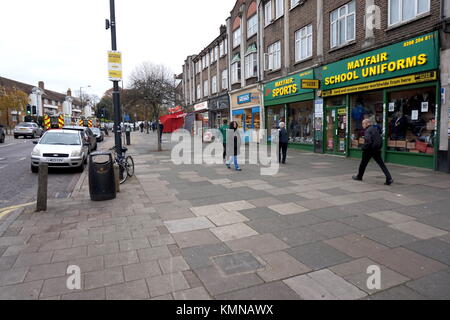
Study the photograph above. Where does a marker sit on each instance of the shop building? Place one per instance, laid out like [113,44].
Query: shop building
[246,110]
[219,110]
[397,88]
[291,100]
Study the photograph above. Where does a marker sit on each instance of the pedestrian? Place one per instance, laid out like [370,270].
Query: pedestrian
[224,129]
[372,149]
[283,143]
[161,129]
[142,127]
[233,146]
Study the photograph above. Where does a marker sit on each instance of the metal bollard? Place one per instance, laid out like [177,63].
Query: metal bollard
[41,204]
[117,177]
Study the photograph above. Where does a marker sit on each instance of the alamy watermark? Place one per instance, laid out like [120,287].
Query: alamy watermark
[251,148]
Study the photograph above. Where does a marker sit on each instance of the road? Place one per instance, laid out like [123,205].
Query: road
[18,184]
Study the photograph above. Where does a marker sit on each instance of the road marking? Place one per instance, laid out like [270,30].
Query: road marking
[4,213]
[7,145]
[17,206]
[21,159]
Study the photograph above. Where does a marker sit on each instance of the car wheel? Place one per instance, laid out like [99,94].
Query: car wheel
[34,169]
[16,137]
[2,139]
[81,167]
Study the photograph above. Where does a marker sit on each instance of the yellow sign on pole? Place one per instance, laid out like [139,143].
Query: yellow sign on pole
[115,65]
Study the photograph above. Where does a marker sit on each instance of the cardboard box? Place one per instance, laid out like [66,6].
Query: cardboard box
[392,143]
[400,144]
[411,145]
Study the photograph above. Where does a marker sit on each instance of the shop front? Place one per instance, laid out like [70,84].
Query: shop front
[291,100]
[396,87]
[201,118]
[246,111]
[219,110]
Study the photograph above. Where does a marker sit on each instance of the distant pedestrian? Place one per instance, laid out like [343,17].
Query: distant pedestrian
[283,143]
[142,127]
[223,129]
[233,146]
[372,149]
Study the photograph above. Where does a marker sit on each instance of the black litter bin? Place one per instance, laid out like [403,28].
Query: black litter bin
[102,184]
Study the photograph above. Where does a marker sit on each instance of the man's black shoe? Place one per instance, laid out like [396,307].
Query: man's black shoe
[356,178]
[389,182]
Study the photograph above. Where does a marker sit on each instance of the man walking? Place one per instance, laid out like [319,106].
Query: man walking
[223,129]
[283,141]
[372,149]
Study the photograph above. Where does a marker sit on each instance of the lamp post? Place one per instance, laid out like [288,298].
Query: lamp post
[81,96]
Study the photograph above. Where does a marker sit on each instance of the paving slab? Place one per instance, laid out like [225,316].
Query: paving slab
[190,224]
[288,208]
[133,290]
[299,236]
[173,265]
[389,237]
[408,263]
[201,256]
[280,265]
[419,230]
[23,291]
[168,283]
[103,278]
[195,238]
[259,244]
[227,218]
[318,255]
[192,294]
[356,246]
[435,286]
[333,229]
[433,248]
[269,291]
[234,231]
[13,276]
[237,263]
[264,202]
[397,293]
[141,270]
[391,217]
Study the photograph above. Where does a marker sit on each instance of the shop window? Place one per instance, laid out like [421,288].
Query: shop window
[411,121]
[301,122]
[275,115]
[365,106]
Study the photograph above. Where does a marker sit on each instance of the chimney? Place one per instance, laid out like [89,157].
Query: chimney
[223,29]
[41,85]
[69,92]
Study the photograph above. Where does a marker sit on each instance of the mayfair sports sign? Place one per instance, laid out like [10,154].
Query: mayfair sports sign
[401,59]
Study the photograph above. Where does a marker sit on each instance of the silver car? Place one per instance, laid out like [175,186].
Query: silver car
[28,129]
[60,149]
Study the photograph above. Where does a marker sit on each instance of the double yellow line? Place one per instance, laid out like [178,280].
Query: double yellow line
[8,210]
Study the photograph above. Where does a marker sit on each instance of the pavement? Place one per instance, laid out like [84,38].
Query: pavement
[205,232]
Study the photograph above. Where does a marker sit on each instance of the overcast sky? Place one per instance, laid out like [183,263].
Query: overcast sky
[64,43]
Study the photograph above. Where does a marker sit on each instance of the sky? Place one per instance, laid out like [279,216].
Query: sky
[64,43]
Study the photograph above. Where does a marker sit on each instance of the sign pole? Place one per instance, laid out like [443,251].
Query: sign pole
[116,93]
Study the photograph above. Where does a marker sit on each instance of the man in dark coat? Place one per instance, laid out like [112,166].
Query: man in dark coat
[372,149]
[284,141]
[234,142]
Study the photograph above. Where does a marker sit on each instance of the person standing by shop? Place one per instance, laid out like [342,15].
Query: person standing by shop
[372,149]
[283,143]
[161,129]
[233,145]
[224,129]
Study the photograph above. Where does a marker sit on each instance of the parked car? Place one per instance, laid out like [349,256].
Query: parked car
[2,134]
[99,135]
[86,134]
[27,129]
[60,149]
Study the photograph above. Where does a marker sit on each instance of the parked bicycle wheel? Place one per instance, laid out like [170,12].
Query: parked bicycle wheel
[123,173]
[130,166]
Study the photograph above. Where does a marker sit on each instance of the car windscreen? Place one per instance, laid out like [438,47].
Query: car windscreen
[24,124]
[61,138]
[96,131]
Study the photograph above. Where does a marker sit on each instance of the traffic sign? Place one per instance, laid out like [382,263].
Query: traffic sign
[115,65]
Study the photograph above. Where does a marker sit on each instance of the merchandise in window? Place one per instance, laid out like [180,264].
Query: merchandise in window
[301,122]
[275,115]
[343,25]
[365,106]
[405,10]
[412,121]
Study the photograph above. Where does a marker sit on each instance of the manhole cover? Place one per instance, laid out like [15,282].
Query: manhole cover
[235,263]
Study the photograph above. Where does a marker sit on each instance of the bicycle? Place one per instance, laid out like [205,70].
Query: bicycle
[125,163]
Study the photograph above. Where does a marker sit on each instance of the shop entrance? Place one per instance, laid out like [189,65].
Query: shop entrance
[336,130]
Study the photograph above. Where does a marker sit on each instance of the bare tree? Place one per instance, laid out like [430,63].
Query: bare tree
[153,85]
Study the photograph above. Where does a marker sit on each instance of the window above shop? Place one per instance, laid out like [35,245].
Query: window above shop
[252,26]
[401,11]
[268,13]
[237,37]
[303,43]
[343,25]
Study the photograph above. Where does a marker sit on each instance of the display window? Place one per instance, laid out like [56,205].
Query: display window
[412,120]
[365,106]
[275,115]
[301,122]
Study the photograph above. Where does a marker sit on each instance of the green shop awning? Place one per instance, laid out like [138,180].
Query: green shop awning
[289,89]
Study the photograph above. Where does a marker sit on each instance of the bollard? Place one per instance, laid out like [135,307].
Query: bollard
[116,177]
[41,204]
